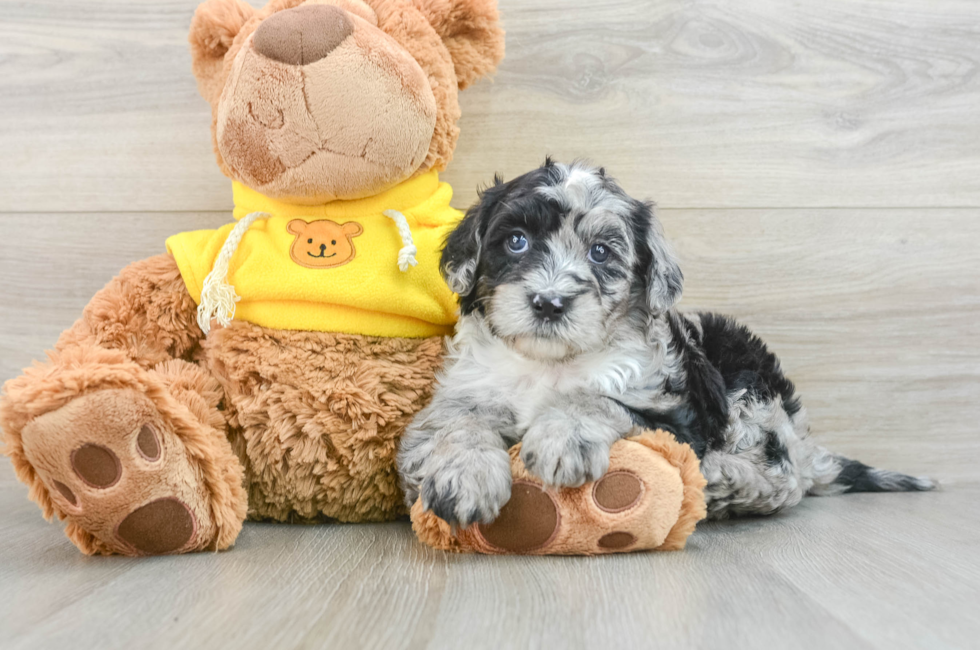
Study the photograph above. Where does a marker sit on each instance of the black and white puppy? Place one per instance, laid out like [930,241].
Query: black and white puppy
[568,339]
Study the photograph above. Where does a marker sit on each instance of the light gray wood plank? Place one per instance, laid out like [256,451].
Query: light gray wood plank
[915,573]
[54,263]
[875,313]
[696,104]
[763,103]
[34,551]
[858,571]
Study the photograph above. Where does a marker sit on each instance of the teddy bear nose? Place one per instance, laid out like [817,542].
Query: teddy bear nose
[303,34]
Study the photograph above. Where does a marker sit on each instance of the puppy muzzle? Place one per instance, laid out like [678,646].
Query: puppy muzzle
[549,307]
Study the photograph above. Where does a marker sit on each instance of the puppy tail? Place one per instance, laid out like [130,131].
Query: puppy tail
[839,475]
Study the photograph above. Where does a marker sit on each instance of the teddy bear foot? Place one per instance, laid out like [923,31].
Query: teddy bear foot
[116,470]
[651,498]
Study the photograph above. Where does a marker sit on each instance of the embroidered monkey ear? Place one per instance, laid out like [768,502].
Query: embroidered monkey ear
[296,227]
[213,30]
[470,30]
[352,229]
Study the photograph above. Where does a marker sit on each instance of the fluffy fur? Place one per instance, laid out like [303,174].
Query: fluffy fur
[287,425]
[568,338]
[432,48]
[671,504]
[315,418]
[281,425]
[184,398]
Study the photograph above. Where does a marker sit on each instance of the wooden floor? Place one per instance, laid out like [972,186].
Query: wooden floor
[862,571]
[817,165]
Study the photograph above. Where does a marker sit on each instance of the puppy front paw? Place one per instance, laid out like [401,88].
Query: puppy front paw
[415,451]
[565,453]
[466,486]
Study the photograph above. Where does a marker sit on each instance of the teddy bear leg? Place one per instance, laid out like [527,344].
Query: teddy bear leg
[651,498]
[120,438]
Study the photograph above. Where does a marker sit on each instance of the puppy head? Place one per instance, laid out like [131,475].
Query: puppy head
[554,259]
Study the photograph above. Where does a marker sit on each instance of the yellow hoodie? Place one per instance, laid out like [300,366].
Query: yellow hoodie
[334,267]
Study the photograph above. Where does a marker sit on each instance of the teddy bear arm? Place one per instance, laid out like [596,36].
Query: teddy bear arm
[142,319]
[145,312]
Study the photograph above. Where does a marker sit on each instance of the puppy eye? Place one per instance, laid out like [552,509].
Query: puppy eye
[517,242]
[599,253]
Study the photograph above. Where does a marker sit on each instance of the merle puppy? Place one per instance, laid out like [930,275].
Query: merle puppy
[568,339]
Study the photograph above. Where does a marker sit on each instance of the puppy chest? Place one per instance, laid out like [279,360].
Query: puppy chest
[530,395]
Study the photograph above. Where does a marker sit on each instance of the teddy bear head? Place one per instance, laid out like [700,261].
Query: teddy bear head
[318,100]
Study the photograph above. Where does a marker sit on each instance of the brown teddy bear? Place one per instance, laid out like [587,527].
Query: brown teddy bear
[268,368]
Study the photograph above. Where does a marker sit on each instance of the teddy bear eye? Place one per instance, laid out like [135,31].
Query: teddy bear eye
[333,242]
[309,241]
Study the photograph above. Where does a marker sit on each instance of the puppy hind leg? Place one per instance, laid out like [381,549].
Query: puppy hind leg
[745,484]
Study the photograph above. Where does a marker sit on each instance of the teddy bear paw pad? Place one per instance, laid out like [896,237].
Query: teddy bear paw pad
[96,466]
[601,517]
[114,467]
[162,526]
[529,521]
[617,491]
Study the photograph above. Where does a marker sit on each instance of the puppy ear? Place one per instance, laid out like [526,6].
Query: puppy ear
[470,30]
[213,29]
[665,281]
[461,254]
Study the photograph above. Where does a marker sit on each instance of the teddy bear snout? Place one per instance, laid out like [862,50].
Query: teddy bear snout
[304,34]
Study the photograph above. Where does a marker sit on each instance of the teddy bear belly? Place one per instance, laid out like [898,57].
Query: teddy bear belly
[316,417]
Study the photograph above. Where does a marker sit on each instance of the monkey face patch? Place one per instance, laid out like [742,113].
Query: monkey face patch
[323,244]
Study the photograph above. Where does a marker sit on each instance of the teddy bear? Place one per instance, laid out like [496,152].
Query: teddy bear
[266,369]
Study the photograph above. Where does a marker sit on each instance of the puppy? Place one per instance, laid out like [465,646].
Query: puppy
[568,339]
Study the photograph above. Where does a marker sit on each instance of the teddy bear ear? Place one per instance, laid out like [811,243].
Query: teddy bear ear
[213,30]
[470,30]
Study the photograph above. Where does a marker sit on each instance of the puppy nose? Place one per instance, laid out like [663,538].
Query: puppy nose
[303,34]
[548,307]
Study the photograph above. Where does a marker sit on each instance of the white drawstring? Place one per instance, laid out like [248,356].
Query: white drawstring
[218,298]
[406,256]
